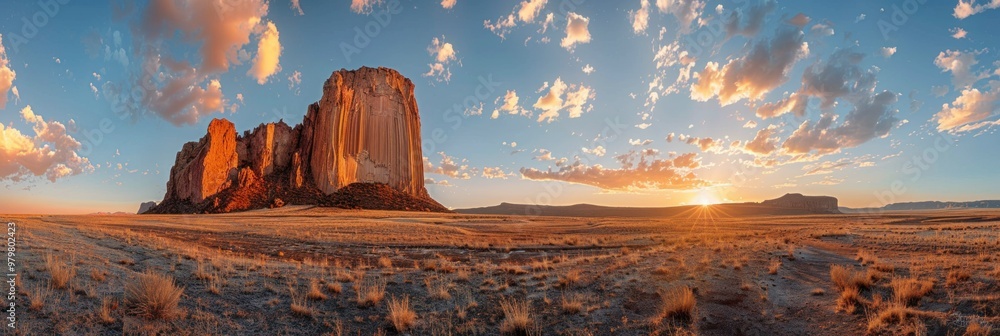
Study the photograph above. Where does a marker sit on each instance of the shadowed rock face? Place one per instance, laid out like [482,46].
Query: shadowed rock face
[145,206]
[365,129]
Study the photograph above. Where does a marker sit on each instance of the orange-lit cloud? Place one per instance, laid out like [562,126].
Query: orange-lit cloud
[970,107]
[967,8]
[495,173]
[638,171]
[448,167]
[526,12]
[181,91]
[530,9]
[509,106]
[755,74]
[961,64]
[364,6]
[577,31]
[51,152]
[640,17]
[443,54]
[448,4]
[552,103]
[297,7]
[764,143]
[6,76]
[267,61]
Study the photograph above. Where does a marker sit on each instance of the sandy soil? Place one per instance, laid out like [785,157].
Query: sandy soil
[242,273]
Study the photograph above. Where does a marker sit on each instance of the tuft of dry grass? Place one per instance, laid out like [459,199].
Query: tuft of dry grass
[38,295]
[848,300]
[773,267]
[314,291]
[300,304]
[438,288]
[541,265]
[61,273]
[108,306]
[897,314]
[573,303]
[517,316]
[844,277]
[677,303]
[908,291]
[955,276]
[201,273]
[153,296]
[866,257]
[570,278]
[335,287]
[369,291]
[976,329]
[401,315]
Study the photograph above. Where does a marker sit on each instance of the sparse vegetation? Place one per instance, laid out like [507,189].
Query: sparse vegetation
[516,316]
[154,296]
[315,293]
[907,291]
[369,291]
[60,272]
[846,278]
[572,303]
[678,302]
[401,315]
[931,282]
[773,267]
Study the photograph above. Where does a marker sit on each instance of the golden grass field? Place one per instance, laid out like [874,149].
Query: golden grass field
[302,270]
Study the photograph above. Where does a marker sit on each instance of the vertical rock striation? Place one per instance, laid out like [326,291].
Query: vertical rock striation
[364,129]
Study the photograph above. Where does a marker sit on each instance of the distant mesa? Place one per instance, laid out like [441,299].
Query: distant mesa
[820,204]
[789,204]
[928,205]
[145,206]
[364,130]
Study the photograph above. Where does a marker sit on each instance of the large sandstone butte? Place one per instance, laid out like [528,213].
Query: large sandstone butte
[364,130]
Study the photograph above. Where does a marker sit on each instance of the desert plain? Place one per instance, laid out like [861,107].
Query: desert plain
[311,270]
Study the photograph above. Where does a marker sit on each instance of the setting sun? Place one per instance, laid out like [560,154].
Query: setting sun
[706,197]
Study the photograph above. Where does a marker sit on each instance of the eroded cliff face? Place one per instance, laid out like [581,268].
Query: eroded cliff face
[365,129]
[204,168]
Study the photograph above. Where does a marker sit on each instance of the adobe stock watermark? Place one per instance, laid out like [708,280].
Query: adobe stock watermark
[913,169]
[899,15]
[455,115]
[48,9]
[363,36]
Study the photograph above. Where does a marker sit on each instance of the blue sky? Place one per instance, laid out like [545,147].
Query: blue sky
[611,75]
